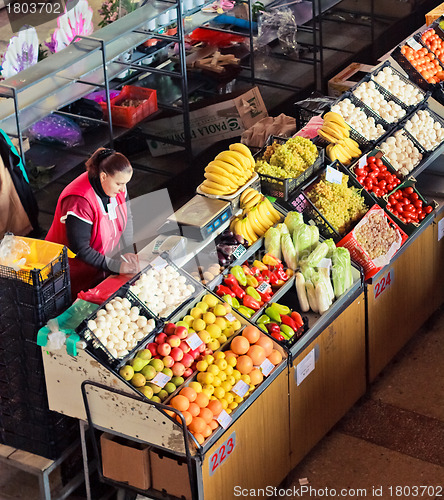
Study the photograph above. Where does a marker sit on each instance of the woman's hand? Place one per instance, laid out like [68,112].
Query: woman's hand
[130,264]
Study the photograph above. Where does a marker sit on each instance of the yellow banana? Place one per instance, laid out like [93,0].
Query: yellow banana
[232,160]
[246,192]
[252,202]
[257,225]
[353,146]
[238,228]
[327,137]
[243,150]
[265,215]
[332,117]
[224,165]
[218,187]
[221,179]
[335,131]
[342,155]
[209,190]
[250,195]
[332,153]
[249,231]
[216,169]
[233,223]
[275,215]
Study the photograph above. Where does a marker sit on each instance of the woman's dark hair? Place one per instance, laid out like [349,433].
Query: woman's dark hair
[108,161]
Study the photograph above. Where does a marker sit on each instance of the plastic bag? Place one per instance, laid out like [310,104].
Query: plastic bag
[280,23]
[57,130]
[13,252]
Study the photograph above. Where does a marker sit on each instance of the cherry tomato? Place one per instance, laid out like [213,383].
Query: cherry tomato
[409,208]
[414,196]
[398,181]
[360,172]
[428,209]
[378,162]
[368,184]
[382,184]
[401,218]
[397,195]
[421,216]
[408,215]
[394,212]
[408,190]
[390,187]
[361,179]
[383,168]
[371,159]
[392,199]
[404,201]
[399,207]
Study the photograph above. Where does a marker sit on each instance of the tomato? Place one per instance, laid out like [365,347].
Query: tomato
[371,159]
[382,184]
[404,201]
[390,187]
[428,209]
[398,181]
[360,172]
[368,184]
[392,199]
[408,215]
[421,216]
[383,168]
[399,207]
[414,196]
[409,208]
[361,179]
[378,162]
[397,195]
[408,190]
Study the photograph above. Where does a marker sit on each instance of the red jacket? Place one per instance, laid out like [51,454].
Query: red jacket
[105,234]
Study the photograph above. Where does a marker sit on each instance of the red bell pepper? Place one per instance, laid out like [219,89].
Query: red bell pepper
[297,318]
[273,328]
[250,302]
[274,279]
[287,320]
[224,290]
[254,271]
[277,336]
[247,269]
[281,274]
[266,297]
[231,281]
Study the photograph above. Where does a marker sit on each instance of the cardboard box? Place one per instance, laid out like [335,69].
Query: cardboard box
[170,475]
[210,123]
[343,81]
[125,461]
[434,14]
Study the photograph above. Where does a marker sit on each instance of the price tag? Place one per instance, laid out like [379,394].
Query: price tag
[440,229]
[158,263]
[222,453]
[325,263]
[266,367]
[230,317]
[263,287]
[240,388]
[305,367]
[383,283]
[224,419]
[414,44]
[333,175]
[362,161]
[161,379]
[240,250]
[194,341]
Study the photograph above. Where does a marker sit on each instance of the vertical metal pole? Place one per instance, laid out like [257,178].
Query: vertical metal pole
[108,100]
[82,426]
[17,122]
[184,80]
[250,25]
[321,53]
[315,46]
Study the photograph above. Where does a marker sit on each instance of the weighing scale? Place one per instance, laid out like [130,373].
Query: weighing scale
[198,218]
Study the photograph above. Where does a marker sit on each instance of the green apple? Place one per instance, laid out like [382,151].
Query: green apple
[168,372]
[177,381]
[157,363]
[144,354]
[182,323]
[138,364]
[126,372]
[149,372]
[170,387]
[138,380]
[162,394]
[147,391]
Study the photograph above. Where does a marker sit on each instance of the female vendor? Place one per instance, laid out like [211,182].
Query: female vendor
[93,219]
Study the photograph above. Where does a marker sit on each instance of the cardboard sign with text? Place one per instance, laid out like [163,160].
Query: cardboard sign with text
[209,124]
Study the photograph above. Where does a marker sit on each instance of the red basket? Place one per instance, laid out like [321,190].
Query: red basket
[128,116]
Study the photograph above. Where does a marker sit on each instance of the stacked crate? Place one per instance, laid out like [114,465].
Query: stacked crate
[28,299]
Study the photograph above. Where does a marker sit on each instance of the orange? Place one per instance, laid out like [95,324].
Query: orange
[215,406]
[170,413]
[181,403]
[198,425]
[187,416]
[256,376]
[207,431]
[207,415]
[240,345]
[214,424]
[199,438]
[244,364]
[194,409]
[257,354]
[189,393]
[251,333]
[266,343]
[275,357]
[202,400]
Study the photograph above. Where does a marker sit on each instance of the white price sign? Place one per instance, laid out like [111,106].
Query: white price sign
[333,175]
[194,341]
[224,419]
[158,263]
[305,367]
[414,44]
[161,379]
[266,367]
[240,388]
[362,161]
[230,317]
[240,250]
[263,287]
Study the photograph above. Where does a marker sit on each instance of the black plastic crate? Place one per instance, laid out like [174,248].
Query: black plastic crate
[95,346]
[425,107]
[405,80]
[303,204]
[37,277]
[10,338]
[283,188]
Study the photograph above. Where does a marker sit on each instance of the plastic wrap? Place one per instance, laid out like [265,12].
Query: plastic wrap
[302,241]
[279,23]
[56,129]
[273,242]
[293,220]
[341,271]
[13,252]
[288,251]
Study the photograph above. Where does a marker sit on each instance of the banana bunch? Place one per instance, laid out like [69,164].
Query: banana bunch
[337,132]
[228,171]
[250,198]
[255,220]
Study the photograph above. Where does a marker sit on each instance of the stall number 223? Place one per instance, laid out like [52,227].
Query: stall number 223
[222,453]
[383,283]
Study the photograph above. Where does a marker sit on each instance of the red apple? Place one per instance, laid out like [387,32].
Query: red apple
[187,360]
[178,369]
[177,353]
[163,349]
[187,372]
[169,328]
[208,351]
[184,346]
[202,348]
[168,361]
[174,341]
[152,346]
[195,353]
[161,338]
[157,356]
[181,332]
